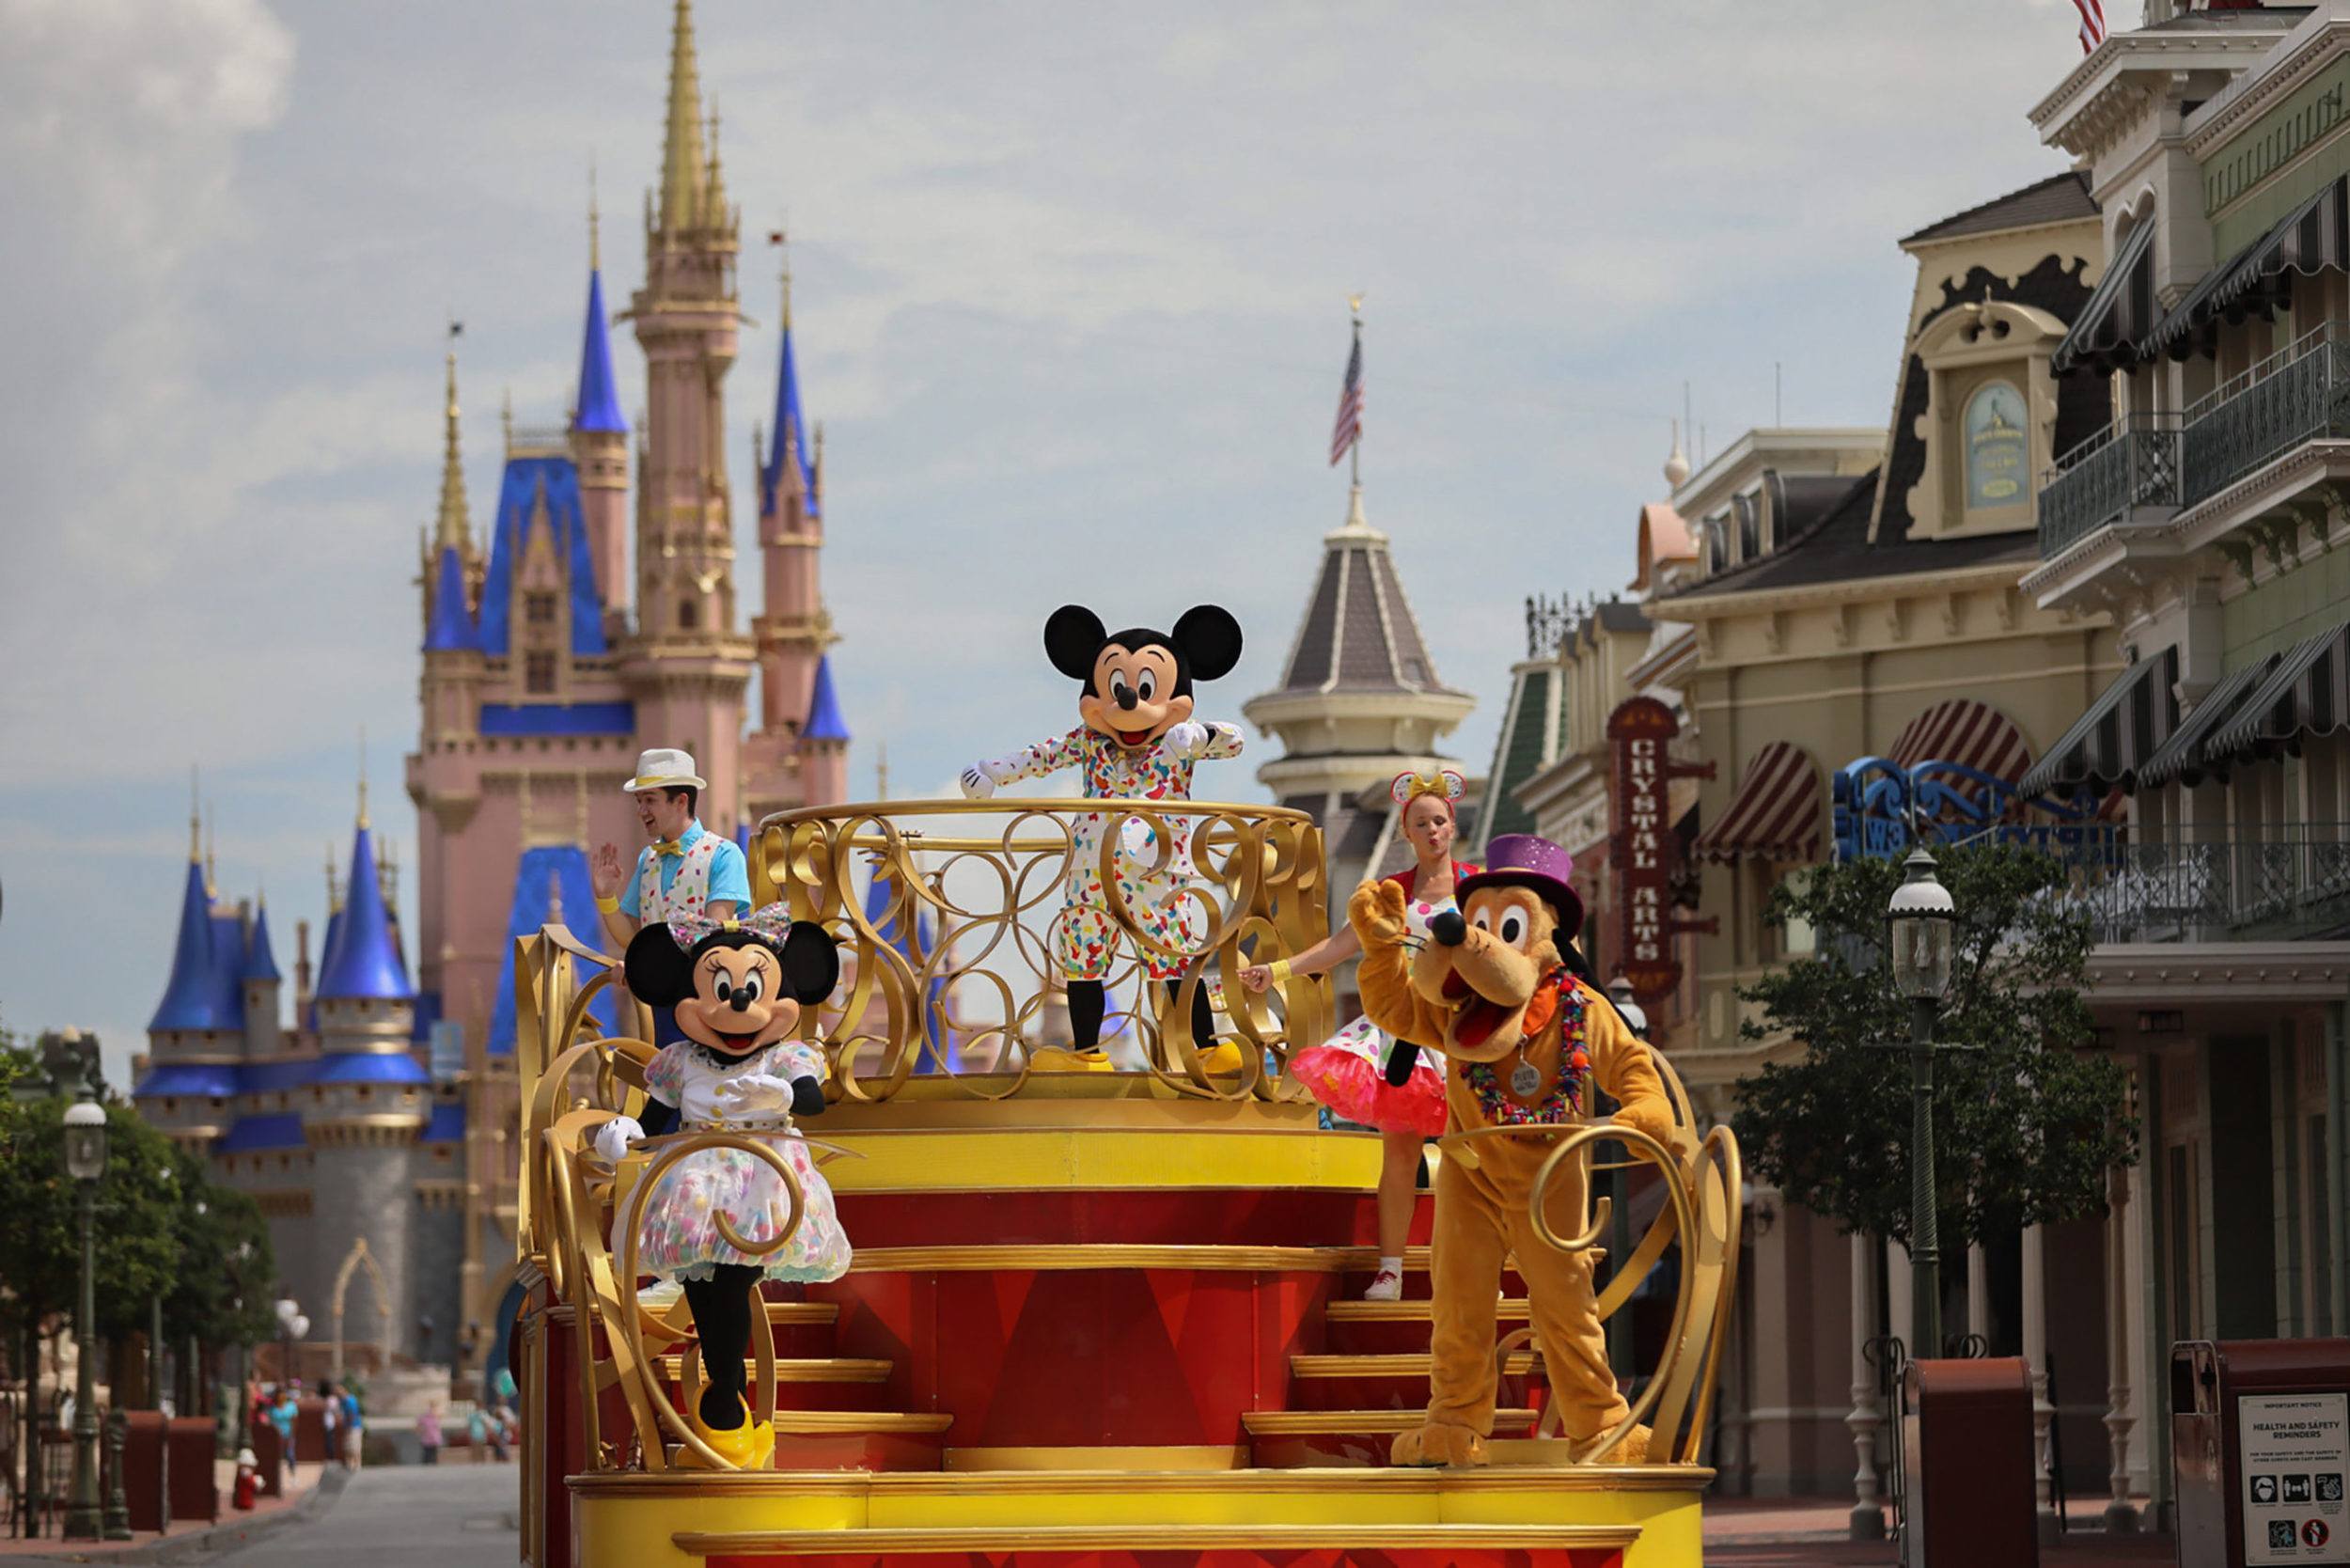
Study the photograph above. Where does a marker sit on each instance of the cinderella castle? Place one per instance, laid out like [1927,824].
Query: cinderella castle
[372,1114]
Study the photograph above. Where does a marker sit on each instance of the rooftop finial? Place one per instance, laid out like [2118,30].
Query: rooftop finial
[1677,465]
[195,810]
[595,232]
[333,891]
[453,529]
[681,165]
[363,776]
[881,769]
[212,863]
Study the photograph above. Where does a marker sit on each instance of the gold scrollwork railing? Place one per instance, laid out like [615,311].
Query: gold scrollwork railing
[947,971]
[1704,1191]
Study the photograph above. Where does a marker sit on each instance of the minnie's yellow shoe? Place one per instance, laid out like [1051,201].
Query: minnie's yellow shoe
[749,1447]
[1052,1059]
[1221,1060]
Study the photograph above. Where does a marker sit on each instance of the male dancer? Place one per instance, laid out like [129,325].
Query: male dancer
[686,872]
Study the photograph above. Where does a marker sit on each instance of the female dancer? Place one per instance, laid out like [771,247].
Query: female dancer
[1362,1074]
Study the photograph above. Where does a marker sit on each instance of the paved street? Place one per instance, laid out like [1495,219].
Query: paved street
[449,1515]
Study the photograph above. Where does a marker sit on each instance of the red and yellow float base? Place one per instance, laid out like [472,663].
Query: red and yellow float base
[1088,1327]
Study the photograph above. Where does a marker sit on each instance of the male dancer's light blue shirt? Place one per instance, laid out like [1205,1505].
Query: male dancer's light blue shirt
[729,874]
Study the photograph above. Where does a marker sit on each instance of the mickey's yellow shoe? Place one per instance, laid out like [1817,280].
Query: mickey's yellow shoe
[1052,1059]
[749,1447]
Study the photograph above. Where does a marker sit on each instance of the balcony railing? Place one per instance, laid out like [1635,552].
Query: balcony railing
[2273,883]
[2133,463]
[2300,393]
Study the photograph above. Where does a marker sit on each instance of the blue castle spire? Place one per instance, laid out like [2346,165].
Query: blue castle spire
[599,398]
[791,429]
[192,1001]
[826,721]
[452,629]
[365,963]
[260,963]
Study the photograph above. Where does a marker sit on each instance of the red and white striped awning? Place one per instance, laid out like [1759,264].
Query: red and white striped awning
[1968,733]
[1775,813]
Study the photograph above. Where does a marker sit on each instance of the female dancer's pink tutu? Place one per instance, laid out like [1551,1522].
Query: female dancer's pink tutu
[1347,1073]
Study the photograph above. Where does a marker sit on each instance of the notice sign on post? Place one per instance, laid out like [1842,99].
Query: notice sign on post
[2293,1453]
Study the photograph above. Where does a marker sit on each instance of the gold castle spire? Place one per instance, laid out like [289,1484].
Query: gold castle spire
[453,529]
[363,777]
[682,166]
[595,231]
[211,862]
[195,815]
[782,238]
[714,188]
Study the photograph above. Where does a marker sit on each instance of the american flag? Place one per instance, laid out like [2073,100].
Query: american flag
[2092,23]
[1349,430]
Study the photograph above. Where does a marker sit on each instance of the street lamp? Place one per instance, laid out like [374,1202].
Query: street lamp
[86,1162]
[291,1326]
[1919,924]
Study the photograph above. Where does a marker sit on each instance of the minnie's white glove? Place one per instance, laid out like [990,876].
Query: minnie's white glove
[614,1137]
[980,778]
[1188,739]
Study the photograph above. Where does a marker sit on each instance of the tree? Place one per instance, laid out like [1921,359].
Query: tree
[222,1293]
[2027,1124]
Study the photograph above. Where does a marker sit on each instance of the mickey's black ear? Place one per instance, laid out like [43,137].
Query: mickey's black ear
[1072,638]
[659,974]
[1210,640]
[811,964]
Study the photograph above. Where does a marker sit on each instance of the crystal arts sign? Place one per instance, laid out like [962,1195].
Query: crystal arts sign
[1642,848]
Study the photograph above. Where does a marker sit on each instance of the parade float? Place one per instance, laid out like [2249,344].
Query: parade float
[1091,1314]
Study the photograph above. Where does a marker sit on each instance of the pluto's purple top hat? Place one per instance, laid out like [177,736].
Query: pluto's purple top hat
[1522,860]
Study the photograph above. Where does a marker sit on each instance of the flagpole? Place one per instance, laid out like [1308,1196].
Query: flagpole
[1355,454]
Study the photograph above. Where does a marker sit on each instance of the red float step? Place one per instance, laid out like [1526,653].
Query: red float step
[860,1440]
[1292,1439]
[1362,1264]
[1387,1327]
[814,1382]
[1396,1381]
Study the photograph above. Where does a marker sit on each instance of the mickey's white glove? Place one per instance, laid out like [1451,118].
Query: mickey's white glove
[1188,739]
[614,1137]
[980,778]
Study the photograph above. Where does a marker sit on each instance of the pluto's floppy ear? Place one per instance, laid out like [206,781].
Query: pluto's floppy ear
[811,964]
[1072,639]
[1209,639]
[660,974]
[1578,963]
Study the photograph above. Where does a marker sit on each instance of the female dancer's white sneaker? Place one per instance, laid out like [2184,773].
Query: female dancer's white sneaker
[1386,1285]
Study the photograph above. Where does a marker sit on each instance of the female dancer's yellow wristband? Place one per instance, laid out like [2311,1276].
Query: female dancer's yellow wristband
[610,906]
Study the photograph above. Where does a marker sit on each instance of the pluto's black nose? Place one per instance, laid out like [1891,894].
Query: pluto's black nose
[1448,928]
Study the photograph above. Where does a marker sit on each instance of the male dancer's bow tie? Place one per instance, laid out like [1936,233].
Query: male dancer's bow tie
[668,846]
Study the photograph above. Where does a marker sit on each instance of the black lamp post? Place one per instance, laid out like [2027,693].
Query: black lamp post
[86,1162]
[1919,924]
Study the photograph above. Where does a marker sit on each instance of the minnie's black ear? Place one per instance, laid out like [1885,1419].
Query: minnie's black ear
[1072,638]
[659,974]
[811,964]
[1209,638]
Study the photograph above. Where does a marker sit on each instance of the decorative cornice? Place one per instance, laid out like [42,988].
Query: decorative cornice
[2249,98]
[2237,971]
[1696,609]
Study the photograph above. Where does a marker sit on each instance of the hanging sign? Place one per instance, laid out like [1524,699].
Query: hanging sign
[1642,848]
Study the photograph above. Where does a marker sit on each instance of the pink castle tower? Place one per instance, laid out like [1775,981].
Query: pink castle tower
[685,665]
[544,677]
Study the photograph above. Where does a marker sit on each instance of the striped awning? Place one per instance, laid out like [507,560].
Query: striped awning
[1965,732]
[2303,696]
[2116,735]
[2183,756]
[2120,311]
[1775,813]
[2314,237]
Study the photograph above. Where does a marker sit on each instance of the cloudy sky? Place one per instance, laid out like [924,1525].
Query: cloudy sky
[1070,300]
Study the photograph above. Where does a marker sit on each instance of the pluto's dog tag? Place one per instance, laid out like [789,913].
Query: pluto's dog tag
[1525,1080]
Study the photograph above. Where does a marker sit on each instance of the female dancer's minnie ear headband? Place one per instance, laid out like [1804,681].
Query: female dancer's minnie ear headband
[1409,787]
